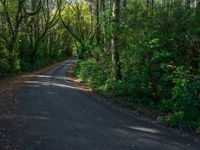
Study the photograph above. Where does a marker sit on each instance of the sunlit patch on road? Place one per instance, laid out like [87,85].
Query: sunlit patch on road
[57,85]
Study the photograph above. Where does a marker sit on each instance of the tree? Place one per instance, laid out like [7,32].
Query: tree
[98,22]
[13,22]
[40,24]
[115,41]
[73,17]
[125,3]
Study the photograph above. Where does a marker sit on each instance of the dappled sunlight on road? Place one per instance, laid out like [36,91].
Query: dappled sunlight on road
[25,117]
[47,76]
[148,137]
[50,83]
[144,129]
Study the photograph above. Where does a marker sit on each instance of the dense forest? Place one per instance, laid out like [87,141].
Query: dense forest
[146,50]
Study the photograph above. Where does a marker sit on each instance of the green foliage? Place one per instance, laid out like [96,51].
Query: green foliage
[158,49]
[115,87]
[31,40]
[4,67]
[9,66]
[25,66]
[186,91]
[95,75]
[91,72]
[160,60]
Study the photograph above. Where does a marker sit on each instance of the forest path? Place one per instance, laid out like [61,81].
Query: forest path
[53,114]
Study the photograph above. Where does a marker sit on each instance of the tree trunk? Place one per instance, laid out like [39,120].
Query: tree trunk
[187,2]
[12,55]
[152,5]
[198,4]
[97,23]
[148,3]
[34,53]
[91,17]
[125,3]
[115,41]
[103,9]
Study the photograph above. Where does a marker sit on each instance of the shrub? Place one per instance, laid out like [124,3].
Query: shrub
[91,72]
[4,67]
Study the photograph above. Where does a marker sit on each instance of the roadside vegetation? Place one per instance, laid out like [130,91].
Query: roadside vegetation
[31,35]
[145,50]
[148,51]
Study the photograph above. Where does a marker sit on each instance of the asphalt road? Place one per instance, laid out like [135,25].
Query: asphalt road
[53,114]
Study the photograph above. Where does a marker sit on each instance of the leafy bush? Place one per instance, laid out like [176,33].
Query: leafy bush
[91,72]
[115,87]
[25,66]
[4,67]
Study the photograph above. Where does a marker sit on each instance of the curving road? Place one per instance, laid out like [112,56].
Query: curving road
[53,114]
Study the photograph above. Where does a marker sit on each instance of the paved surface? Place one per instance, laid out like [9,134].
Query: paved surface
[53,114]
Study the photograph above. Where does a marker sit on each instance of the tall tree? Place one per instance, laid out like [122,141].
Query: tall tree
[98,22]
[115,41]
[104,24]
[125,3]
[73,17]
[40,24]
[13,21]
